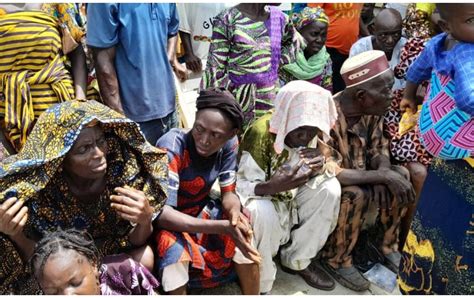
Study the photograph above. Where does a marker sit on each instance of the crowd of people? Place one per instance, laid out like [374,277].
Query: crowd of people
[327,138]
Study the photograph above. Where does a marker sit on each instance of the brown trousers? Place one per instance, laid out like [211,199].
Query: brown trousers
[355,201]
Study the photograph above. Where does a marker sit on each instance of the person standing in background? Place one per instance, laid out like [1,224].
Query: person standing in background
[134,51]
[367,16]
[195,30]
[42,63]
[245,53]
[343,32]
[387,38]
[438,256]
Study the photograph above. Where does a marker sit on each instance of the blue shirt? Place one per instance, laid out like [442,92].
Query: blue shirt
[457,63]
[140,33]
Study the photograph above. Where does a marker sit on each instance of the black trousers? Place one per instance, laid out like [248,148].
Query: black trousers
[337,60]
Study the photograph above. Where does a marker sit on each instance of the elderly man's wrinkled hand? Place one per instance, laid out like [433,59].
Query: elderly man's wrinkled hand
[382,196]
[400,187]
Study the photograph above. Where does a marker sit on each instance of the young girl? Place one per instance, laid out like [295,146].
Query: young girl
[67,263]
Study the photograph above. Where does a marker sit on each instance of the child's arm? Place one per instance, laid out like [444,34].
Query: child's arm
[409,97]
[418,72]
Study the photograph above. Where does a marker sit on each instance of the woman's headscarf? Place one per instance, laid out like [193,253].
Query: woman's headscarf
[35,175]
[302,68]
[309,15]
[223,100]
[27,173]
[300,103]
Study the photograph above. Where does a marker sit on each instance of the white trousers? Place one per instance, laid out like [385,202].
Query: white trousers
[317,212]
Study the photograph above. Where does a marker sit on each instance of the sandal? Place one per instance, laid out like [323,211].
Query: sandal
[349,277]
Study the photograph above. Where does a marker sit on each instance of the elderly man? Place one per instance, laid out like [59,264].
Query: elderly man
[367,177]
[286,179]
[387,38]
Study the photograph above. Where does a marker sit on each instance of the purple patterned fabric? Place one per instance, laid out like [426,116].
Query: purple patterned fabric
[274,25]
[244,58]
[121,275]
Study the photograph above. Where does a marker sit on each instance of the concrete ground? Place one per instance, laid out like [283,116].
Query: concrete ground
[287,284]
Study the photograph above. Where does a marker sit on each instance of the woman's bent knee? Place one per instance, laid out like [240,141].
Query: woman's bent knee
[145,256]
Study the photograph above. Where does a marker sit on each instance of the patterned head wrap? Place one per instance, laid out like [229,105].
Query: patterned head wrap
[27,173]
[223,100]
[309,15]
[301,103]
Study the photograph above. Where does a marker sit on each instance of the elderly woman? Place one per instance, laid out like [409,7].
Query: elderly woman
[287,181]
[312,63]
[83,166]
[202,239]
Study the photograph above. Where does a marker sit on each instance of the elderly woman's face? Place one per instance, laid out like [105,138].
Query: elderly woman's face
[86,159]
[315,34]
[301,136]
[211,131]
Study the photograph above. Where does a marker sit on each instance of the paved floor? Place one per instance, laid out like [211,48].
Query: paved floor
[287,284]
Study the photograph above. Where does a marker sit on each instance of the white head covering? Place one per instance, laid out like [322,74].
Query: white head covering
[300,103]
[364,67]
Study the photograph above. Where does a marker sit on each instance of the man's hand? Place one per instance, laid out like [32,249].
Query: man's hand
[399,186]
[13,217]
[132,205]
[180,71]
[193,62]
[118,108]
[382,196]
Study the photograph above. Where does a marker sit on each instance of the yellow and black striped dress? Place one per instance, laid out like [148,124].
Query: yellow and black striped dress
[32,71]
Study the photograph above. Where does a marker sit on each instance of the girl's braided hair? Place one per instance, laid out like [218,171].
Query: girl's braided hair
[61,240]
